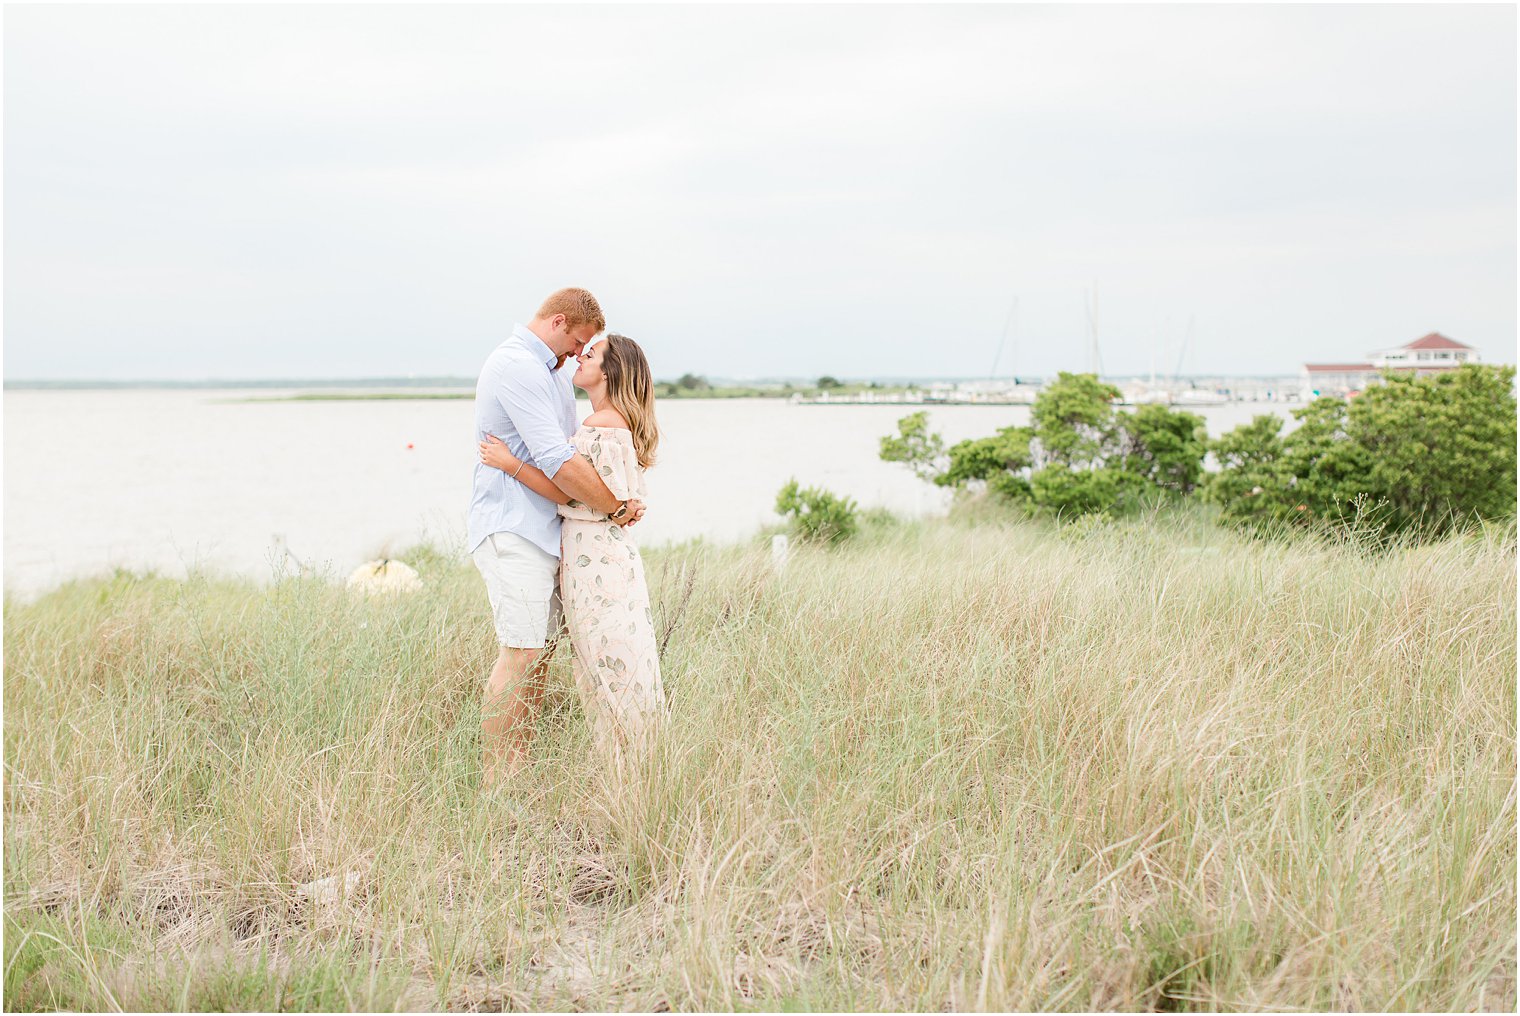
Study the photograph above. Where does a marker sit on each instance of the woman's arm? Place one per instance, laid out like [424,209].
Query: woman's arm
[494,453]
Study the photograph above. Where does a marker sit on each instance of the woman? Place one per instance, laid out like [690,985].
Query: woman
[602,588]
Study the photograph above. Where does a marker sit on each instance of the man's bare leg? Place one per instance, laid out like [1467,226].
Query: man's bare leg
[514,693]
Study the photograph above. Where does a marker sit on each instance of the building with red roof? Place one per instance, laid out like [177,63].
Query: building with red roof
[1429,354]
[1433,352]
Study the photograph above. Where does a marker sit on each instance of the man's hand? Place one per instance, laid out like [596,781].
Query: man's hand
[633,514]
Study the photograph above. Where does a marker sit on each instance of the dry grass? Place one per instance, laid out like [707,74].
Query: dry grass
[954,766]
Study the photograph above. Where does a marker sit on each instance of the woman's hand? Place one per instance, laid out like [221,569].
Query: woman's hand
[632,515]
[493,453]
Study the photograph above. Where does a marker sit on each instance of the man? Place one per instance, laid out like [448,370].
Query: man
[524,400]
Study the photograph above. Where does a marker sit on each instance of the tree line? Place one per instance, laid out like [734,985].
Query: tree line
[1421,455]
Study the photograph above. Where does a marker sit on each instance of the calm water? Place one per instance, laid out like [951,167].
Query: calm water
[167,480]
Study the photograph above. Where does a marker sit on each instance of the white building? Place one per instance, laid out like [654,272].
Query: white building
[1430,354]
[1433,353]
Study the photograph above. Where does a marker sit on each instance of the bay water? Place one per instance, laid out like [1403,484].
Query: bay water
[173,480]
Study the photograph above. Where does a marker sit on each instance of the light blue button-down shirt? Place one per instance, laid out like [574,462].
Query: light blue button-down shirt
[524,401]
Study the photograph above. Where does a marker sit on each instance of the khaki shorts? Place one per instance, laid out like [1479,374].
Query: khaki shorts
[523,583]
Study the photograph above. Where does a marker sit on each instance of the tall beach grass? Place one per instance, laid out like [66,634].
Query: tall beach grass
[964,764]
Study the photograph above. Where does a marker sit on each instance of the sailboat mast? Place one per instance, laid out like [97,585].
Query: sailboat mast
[1003,340]
[1094,357]
[1187,339]
[1012,330]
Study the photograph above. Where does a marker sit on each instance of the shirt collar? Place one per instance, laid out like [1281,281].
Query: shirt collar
[535,345]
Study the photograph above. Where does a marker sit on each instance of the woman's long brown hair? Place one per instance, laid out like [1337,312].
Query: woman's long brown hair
[630,389]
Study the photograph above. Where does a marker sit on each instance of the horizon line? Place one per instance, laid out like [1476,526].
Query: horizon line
[459,380]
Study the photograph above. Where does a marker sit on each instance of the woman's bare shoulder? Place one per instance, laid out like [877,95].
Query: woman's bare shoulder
[607,418]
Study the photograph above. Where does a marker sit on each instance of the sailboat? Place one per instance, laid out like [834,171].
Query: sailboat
[1192,396]
[1017,391]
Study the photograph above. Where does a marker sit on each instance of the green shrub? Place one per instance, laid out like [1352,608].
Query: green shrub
[1164,447]
[1418,455]
[1251,482]
[1078,455]
[814,514]
[1062,491]
[1440,448]
[917,447]
[1011,488]
[1075,421]
[1008,453]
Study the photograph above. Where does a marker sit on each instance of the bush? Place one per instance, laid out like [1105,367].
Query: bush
[1004,456]
[816,515]
[1251,482]
[1164,447]
[1075,421]
[1414,454]
[1439,449]
[1078,455]
[1064,491]
[917,447]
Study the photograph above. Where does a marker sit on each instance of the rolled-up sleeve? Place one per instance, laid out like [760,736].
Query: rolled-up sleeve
[532,405]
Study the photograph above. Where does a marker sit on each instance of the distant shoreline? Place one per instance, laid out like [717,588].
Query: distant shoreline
[215,385]
[909,396]
[919,394]
[768,385]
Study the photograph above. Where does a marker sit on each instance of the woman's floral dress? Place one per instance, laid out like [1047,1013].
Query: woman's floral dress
[606,602]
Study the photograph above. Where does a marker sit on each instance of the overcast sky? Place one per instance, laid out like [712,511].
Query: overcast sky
[244,192]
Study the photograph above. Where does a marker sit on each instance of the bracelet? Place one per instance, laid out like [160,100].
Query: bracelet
[524,462]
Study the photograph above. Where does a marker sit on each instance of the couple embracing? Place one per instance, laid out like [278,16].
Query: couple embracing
[549,526]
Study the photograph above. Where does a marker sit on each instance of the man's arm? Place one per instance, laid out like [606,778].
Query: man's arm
[578,478]
[579,474]
[533,410]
